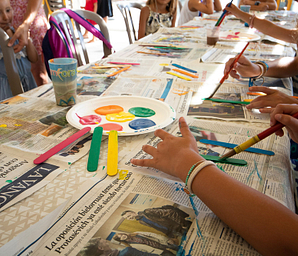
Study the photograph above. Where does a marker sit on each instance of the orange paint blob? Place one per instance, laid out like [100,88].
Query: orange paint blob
[110,109]
[111,126]
[120,117]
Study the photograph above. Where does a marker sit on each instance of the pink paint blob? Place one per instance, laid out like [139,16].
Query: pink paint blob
[89,120]
[111,126]
[232,37]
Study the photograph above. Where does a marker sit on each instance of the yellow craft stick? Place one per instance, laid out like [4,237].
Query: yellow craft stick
[112,162]
[182,77]
[248,100]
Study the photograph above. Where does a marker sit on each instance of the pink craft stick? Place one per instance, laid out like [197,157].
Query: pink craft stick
[123,63]
[61,146]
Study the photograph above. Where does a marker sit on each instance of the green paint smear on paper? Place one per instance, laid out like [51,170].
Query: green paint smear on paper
[141,112]
[232,161]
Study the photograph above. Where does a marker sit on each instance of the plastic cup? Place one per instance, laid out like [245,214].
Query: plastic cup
[212,35]
[64,78]
[245,8]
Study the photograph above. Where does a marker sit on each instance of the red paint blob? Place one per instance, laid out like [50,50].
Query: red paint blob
[110,109]
[111,126]
[89,120]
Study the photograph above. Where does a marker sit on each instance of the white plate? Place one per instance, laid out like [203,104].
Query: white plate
[164,113]
[238,36]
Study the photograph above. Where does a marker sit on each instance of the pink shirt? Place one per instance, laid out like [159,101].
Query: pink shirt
[38,27]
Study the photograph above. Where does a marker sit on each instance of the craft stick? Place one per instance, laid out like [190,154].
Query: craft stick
[61,146]
[187,69]
[232,145]
[233,161]
[248,100]
[222,16]
[264,94]
[152,53]
[118,71]
[185,73]
[158,49]
[109,66]
[256,93]
[255,139]
[227,101]
[124,63]
[231,67]
[182,77]
[94,149]
[112,162]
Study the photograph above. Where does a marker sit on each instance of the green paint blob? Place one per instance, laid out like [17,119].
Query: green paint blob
[9,181]
[142,112]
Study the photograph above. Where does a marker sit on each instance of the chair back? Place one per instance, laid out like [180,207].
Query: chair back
[125,9]
[10,64]
[51,6]
[74,35]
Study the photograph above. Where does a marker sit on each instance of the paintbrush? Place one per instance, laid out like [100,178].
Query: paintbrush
[221,18]
[227,74]
[255,139]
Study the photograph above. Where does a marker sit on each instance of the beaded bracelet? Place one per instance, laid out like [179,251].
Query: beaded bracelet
[195,172]
[191,169]
[264,65]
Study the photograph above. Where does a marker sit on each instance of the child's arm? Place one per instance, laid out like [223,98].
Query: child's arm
[196,5]
[145,11]
[31,52]
[95,7]
[217,5]
[261,6]
[265,26]
[174,19]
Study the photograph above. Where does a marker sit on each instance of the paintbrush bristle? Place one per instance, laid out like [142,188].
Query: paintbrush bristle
[216,89]
[227,155]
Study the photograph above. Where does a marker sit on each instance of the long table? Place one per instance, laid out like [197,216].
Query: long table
[63,192]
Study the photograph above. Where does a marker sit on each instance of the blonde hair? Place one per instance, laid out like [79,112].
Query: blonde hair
[171,7]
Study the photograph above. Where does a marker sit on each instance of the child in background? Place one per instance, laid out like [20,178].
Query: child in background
[23,58]
[156,14]
[193,8]
[91,5]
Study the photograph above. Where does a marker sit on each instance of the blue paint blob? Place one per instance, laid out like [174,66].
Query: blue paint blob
[141,123]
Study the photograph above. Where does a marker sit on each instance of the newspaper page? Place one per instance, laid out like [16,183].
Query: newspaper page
[34,125]
[20,178]
[223,51]
[271,175]
[116,215]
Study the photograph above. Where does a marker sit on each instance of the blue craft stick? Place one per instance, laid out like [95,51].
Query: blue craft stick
[231,145]
[187,69]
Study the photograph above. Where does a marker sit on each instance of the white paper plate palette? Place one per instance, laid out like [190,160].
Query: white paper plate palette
[164,114]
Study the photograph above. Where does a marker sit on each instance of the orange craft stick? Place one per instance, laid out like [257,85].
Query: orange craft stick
[185,73]
[119,71]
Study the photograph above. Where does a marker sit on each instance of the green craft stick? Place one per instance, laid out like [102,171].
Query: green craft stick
[228,101]
[225,161]
[94,149]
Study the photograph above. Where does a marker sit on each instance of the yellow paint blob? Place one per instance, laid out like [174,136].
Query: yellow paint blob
[3,125]
[120,117]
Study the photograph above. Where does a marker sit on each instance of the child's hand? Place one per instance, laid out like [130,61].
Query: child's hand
[271,99]
[243,67]
[173,155]
[282,113]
